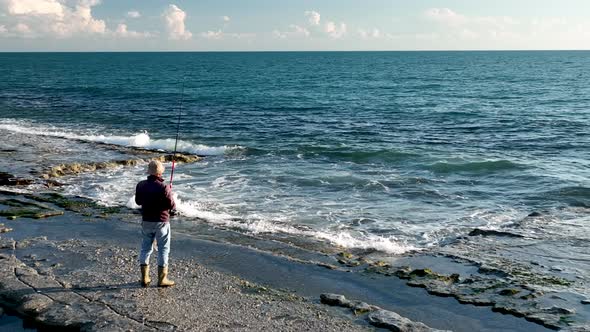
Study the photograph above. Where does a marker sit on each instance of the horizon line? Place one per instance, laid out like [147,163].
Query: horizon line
[291,51]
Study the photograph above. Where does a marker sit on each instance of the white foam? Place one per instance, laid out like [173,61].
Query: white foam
[257,224]
[140,140]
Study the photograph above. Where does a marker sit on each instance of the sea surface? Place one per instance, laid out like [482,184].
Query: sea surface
[386,151]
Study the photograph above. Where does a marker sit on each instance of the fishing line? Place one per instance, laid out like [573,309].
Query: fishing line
[177,131]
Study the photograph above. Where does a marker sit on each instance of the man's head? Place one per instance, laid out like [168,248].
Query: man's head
[155,168]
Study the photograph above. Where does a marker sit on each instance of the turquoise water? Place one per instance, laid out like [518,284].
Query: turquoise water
[383,150]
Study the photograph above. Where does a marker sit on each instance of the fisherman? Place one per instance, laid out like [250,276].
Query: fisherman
[156,202]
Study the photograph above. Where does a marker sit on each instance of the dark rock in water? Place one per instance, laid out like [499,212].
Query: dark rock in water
[335,300]
[7,179]
[585,301]
[559,311]
[491,232]
[394,322]
[53,183]
[4,229]
[534,214]
[509,292]
[377,316]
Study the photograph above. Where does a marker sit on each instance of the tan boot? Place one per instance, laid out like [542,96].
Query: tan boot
[145,275]
[163,277]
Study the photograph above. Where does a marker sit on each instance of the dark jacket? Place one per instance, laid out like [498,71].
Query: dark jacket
[155,199]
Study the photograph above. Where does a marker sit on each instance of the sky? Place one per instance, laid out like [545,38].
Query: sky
[289,25]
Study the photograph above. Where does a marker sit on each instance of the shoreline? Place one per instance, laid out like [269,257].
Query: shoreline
[438,288]
[275,274]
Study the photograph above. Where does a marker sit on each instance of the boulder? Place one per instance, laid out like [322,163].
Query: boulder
[335,300]
[394,322]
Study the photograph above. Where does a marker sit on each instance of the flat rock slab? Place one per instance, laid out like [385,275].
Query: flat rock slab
[394,322]
[377,317]
[92,287]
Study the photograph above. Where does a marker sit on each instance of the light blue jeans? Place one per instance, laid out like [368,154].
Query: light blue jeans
[160,231]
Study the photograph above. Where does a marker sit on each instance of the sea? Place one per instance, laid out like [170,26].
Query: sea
[390,152]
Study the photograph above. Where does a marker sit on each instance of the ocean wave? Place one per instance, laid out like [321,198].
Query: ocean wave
[575,192]
[574,196]
[257,224]
[140,140]
[487,166]
[342,154]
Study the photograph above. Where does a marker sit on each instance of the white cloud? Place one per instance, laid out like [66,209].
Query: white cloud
[175,17]
[372,33]
[52,18]
[219,34]
[123,32]
[278,34]
[299,31]
[335,31]
[225,18]
[22,28]
[459,31]
[313,17]
[34,7]
[295,31]
[445,15]
[212,34]
[133,14]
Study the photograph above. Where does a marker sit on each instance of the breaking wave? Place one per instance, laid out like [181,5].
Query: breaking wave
[257,224]
[140,140]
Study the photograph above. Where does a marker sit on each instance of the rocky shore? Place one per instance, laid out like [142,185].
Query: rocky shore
[90,285]
[80,285]
[67,262]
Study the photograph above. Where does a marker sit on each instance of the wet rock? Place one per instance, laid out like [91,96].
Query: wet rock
[335,300]
[586,301]
[346,255]
[77,168]
[360,308]
[7,179]
[509,292]
[4,229]
[491,232]
[7,244]
[33,213]
[53,183]
[394,322]
[559,311]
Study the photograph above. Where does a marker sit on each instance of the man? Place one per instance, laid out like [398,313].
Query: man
[156,202]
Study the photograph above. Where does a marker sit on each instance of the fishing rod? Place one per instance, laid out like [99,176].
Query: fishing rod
[177,131]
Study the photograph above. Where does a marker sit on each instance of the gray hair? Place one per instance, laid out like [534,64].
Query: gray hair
[155,167]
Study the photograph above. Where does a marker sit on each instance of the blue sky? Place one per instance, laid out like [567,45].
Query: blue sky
[268,25]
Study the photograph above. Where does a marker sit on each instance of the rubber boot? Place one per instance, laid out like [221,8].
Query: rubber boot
[163,277]
[145,275]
